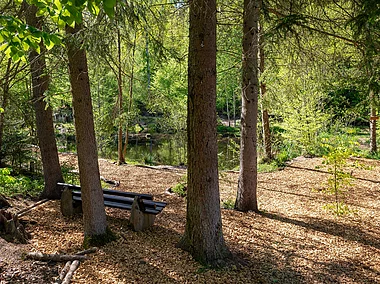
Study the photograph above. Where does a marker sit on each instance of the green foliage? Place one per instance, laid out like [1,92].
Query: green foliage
[18,148]
[180,189]
[15,185]
[303,122]
[267,167]
[228,130]
[339,180]
[229,204]
[339,208]
[16,38]
[69,175]
[149,159]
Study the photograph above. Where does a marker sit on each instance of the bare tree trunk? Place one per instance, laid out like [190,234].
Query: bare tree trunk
[4,103]
[247,185]
[44,115]
[264,111]
[203,236]
[120,156]
[94,216]
[372,124]
[130,96]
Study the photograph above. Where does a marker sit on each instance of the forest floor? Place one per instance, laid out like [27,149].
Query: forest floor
[292,240]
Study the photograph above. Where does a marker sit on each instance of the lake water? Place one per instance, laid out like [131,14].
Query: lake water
[172,150]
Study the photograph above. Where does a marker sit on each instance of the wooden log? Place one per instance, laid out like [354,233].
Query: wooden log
[54,257]
[87,251]
[74,265]
[64,270]
[30,208]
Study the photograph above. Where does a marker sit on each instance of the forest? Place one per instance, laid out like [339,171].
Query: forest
[189,142]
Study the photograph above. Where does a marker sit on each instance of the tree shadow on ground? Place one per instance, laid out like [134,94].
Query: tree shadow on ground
[348,232]
[155,251]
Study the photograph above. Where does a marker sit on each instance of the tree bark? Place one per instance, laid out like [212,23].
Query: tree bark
[203,236]
[264,111]
[120,154]
[372,122]
[94,216]
[54,257]
[44,115]
[247,185]
[4,102]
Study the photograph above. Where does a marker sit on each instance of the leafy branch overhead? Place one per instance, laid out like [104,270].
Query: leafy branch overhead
[16,37]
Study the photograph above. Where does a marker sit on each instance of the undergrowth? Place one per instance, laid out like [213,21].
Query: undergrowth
[12,185]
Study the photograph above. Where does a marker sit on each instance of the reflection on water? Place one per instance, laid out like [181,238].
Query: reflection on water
[172,150]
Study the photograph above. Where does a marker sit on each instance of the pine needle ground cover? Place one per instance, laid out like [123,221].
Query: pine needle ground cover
[293,240]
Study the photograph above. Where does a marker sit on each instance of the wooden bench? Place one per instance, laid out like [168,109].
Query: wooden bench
[143,208]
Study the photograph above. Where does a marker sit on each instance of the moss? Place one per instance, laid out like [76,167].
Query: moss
[99,240]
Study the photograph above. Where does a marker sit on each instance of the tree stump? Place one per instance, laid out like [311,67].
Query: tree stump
[4,202]
[11,229]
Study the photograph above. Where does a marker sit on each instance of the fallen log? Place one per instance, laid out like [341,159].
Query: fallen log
[30,208]
[74,265]
[87,251]
[54,257]
[64,271]
[67,266]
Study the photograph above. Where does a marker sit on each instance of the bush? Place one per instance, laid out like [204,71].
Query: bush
[180,189]
[15,185]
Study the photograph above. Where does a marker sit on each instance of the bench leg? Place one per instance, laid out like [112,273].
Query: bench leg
[139,220]
[68,206]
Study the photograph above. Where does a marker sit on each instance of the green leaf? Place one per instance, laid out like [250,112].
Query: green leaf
[58,5]
[40,12]
[3,46]
[109,3]
[1,110]
[109,11]
[93,8]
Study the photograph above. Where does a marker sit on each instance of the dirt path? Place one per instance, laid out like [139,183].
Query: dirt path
[293,240]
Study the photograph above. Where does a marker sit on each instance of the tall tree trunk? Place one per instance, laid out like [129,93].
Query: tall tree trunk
[372,124]
[130,96]
[264,111]
[120,156]
[94,216]
[44,115]
[4,102]
[203,236]
[247,185]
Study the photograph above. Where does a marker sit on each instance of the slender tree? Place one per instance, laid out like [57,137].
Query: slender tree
[264,111]
[44,114]
[94,216]
[120,153]
[246,194]
[203,236]
[4,101]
